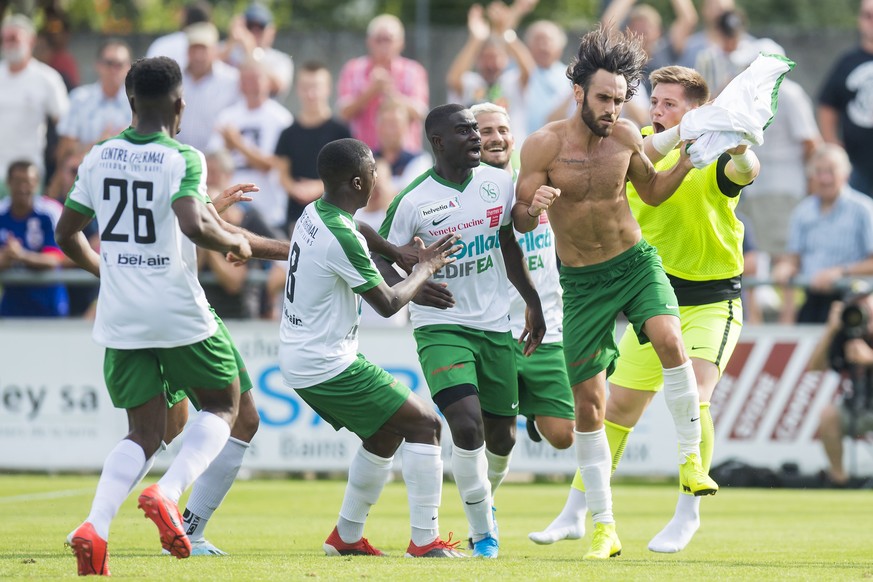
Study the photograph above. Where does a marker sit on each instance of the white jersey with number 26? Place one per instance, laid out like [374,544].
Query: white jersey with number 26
[150,296]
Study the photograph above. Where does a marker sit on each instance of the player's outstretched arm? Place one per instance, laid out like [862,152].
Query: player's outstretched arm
[71,240]
[388,299]
[518,275]
[205,230]
[262,248]
[533,194]
[653,187]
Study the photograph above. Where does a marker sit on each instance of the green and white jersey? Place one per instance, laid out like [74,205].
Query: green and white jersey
[328,267]
[541,261]
[149,293]
[478,209]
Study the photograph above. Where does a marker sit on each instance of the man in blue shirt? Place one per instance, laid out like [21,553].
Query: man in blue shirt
[27,239]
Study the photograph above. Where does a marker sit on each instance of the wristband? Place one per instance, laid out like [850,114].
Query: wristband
[745,162]
[509,36]
[666,141]
[532,215]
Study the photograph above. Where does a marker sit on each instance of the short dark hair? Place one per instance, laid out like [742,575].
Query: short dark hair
[438,116]
[155,77]
[619,53]
[199,11]
[313,66]
[341,160]
[113,41]
[128,78]
[19,166]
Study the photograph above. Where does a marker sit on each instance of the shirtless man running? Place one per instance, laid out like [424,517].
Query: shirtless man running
[577,169]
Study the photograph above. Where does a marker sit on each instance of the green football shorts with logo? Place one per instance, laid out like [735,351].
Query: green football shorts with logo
[133,377]
[543,386]
[634,282]
[452,355]
[710,332]
[361,398]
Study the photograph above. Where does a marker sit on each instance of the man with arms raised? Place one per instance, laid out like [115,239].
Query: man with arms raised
[329,271]
[700,240]
[580,165]
[466,352]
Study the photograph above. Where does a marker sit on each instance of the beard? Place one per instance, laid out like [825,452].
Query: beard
[591,121]
[16,55]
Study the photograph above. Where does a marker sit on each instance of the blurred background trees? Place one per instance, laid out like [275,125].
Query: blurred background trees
[155,16]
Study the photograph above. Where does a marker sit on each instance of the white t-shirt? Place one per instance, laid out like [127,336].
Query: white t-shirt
[541,261]
[260,128]
[329,266]
[27,98]
[206,98]
[149,293]
[432,207]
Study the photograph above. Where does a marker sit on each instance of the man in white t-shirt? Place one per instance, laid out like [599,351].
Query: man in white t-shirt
[329,272]
[250,129]
[31,93]
[466,352]
[211,85]
[163,342]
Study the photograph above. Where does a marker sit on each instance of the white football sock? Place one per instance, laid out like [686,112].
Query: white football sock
[120,474]
[470,469]
[678,533]
[595,464]
[148,466]
[498,467]
[211,487]
[423,474]
[570,523]
[683,402]
[203,440]
[367,477]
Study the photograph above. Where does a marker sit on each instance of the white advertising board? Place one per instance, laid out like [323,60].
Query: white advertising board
[55,414]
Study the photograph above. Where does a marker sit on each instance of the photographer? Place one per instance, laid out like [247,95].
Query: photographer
[846,348]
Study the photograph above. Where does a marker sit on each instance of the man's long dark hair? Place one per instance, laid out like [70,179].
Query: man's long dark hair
[613,51]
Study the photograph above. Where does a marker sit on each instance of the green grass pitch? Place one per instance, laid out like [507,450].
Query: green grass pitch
[274,529]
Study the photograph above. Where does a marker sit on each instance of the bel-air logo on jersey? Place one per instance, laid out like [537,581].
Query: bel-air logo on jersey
[437,209]
[489,191]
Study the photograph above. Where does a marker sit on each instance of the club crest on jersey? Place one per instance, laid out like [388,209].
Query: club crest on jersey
[436,210]
[489,191]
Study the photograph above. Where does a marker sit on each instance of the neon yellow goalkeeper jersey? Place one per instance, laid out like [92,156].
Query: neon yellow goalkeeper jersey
[696,231]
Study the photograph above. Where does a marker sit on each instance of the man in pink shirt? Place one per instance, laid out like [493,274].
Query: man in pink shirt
[365,81]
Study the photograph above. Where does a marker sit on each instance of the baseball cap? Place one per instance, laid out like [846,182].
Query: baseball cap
[258,14]
[202,33]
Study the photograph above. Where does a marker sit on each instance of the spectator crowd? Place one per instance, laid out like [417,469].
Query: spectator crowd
[809,213]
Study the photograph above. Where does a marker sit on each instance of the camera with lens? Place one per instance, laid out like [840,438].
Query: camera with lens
[854,319]
[853,325]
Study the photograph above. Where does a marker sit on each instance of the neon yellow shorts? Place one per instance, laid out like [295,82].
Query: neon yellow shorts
[710,332]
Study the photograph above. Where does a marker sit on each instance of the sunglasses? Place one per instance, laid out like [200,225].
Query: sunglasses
[114,64]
